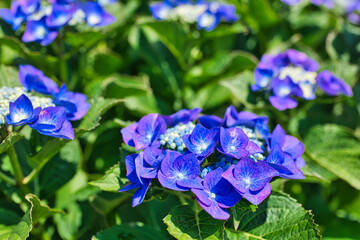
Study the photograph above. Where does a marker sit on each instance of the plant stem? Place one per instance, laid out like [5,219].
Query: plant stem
[17,170]
[7,179]
[62,60]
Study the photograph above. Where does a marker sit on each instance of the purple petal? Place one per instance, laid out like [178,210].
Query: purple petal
[257,197]
[278,136]
[229,176]
[139,195]
[170,183]
[253,148]
[66,131]
[332,85]
[187,165]
[233,142]
[215,211]
[50,118]
[202,196]
[282,103]
[127,134]
[190,183]
[212,178]
[293,146]
[183,116]
[210,121]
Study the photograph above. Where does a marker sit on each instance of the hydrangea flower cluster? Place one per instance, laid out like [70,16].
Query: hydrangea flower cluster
[207,15]
[48,116]
[220,160]
[350,7]
[293,74]
[45,19]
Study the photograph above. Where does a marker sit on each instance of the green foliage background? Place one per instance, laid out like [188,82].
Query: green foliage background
[139,66]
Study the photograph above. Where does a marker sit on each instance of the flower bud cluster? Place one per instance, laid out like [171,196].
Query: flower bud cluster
[172,139]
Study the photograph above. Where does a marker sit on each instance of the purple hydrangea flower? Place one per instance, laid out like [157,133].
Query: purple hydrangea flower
[76,104]
[19,11]
[201,141]
[144,133]
[60,15]
[183,116]
[332,85]
[216,195]
[52,122]
[34,80]
[233,142]
[95,15]
[149,167]
[288,76]
[207,14]
[285,150]
[22,112]
[251,179]
[135,181]
[38,31]
[180,172]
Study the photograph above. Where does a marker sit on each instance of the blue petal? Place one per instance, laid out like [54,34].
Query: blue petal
[139,195]
[278,136]
[21,111]
[210,121]
[188,165]
[50,118]
[66,131]
[233,142]
[258,196]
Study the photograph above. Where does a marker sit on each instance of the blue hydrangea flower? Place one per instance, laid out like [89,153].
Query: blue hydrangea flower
[233,142]
[149,167]
[34,80]
[216,195]
[44,21]
[207,15]
[38,31]
[75,103]
[52,122]
[95,15]
[180,172]
[251,179]
[201,141]
[288,76]
[144,133]
[135,180]
[221,162]
[60,15]
[22,112]
[183,116]
[332,85]
[19,11]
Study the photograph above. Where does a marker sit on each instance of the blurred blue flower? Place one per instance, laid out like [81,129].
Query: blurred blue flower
[22,112]
[34,79]
[291,75]
[183,116]
[207,15]
[332,85]
[38,31]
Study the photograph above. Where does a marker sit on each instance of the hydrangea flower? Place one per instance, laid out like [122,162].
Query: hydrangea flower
[22,112]
[220,160]
[75,103]
[34,80]
[292,74]
[48,116]
[45,19]
[207,15]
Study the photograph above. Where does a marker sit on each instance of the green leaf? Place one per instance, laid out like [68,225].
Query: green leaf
[263,13]
[222,62]
[9,77]
[336,149]
[184,223]
[33,215]
[240,210]
[239,85]
[111,181]
[10,140]
[277,217]
[129,231]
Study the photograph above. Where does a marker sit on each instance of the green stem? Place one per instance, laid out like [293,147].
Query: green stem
[197,210]
[7,179]
[62,60]
[17,170]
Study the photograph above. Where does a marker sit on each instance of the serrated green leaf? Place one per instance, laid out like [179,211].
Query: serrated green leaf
[10,140]
[184,223]
[335,148]
[128,231]
[34,214]
[111,181]
[277,217]
[240,210]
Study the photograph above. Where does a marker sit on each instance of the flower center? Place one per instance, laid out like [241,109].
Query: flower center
[298,75]
[180,176]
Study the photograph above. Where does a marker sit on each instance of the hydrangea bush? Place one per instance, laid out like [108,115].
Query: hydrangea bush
[179,119]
